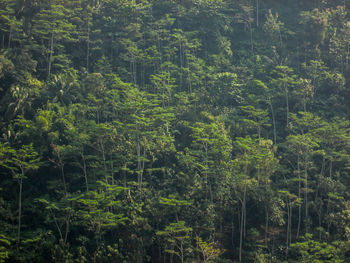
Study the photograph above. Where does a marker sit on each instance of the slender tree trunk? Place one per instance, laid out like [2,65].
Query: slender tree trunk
[159,48]
[251,38]
[290,220]
[172,255]
[241,232]
[281,43]
[50,55]
[159,254]
[124,176]
[134,71]
[58,227]
[103,152]
[67,228]
[138,164]
[112,50]
[266,223]
[323,165]
[287,102]
[299,196]
[164,256]
[306,194]
[243,217]
[142,165]
[288,223]
[257,13]
[320,221]
[304,103]
[273,122]
[181,64]
[328,212]
[85,171]
[189,78]
[20,182]
[88,47]
[207,183]
[182,252]
[347,58]
[63,178]
[245,209]
[10,37]
[298,56]
[112,169]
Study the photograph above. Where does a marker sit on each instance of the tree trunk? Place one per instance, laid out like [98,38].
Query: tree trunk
[56,223]
[181,64]
[20,182]
[50,55]
[88,47]
[290,220]
[266,223]
[273,122]
[288,223]
[241,233]
[63,178]
[251,38]
[67,228]
[299,196]
[287,103]
[10,36]
[306,194]
[182,252]
[85,172]
[257,13]
[112,169]
[243,217]
[347,58]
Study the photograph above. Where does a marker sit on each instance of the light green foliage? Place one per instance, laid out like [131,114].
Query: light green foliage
[177,235]
[99,212]
[313,251]
[257,119]
[174,130]
[272,26]
[208,250]
[4,244]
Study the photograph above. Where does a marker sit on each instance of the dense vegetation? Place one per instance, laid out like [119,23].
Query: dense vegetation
[174,131]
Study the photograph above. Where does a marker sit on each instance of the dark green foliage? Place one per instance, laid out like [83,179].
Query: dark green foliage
[174,131]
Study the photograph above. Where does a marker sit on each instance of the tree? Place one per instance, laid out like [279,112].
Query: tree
[257,118]
[253,164]
[177,236]
[52,25]
[245,17]
[210,143]
[10,26]
[20,162]
[313,251]
[273,28]
[208,250]
[285,80]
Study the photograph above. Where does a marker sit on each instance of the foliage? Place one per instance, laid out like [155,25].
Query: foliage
[174,131]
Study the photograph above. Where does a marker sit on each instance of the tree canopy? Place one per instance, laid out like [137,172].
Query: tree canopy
[174,131]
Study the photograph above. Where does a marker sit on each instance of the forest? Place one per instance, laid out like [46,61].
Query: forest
[172,131]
